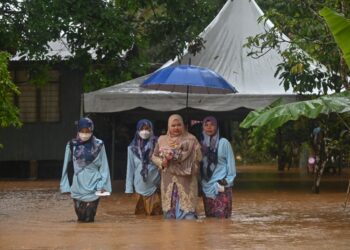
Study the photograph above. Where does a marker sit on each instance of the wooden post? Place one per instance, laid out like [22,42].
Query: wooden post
[113,148]
[82,105]
[33,170]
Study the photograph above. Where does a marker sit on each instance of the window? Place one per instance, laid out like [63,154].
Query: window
[37,104]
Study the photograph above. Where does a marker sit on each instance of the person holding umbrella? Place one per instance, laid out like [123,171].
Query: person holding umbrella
[141,173]
[218,171]
[178,154]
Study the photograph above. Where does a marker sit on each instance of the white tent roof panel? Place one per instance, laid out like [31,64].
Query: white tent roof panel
[223,53]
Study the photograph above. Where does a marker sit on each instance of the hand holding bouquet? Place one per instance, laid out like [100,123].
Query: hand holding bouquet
[166,153]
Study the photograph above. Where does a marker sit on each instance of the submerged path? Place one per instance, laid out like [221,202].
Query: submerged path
[271,210]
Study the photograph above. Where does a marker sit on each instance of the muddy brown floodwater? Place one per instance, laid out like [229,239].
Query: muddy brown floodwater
[271,210]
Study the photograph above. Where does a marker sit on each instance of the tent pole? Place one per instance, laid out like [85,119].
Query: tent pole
[82,105]
[188,90]
[187,116]
[113,147]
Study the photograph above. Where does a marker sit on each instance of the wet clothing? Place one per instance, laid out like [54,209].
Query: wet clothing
[220,206]
[94,176]
[149,205]
[86,211]
[142,176]
[91,170]
[224,169]
[134,179]
[181,174]
[175,212]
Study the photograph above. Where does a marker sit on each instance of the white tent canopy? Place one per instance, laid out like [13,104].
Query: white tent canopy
[224,53]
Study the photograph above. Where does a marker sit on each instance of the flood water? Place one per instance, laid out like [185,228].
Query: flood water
[271,210]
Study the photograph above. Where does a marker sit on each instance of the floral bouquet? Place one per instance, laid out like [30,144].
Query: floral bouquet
[168,153]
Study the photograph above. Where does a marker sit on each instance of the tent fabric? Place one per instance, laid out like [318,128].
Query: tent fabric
[128,96]
[224,53]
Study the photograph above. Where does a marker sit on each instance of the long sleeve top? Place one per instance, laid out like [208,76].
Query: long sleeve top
[226,168]
[93,177]
[134,179]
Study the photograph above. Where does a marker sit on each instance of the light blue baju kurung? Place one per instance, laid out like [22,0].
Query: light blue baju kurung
[134,179]
[226,168]
[93,177]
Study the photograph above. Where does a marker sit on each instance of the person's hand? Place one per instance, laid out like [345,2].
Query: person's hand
[164,163]
[169,155]
[221,188]
[102,190]
[222,182]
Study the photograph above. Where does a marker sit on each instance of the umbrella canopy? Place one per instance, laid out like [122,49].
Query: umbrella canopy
[279,115]
[188,79]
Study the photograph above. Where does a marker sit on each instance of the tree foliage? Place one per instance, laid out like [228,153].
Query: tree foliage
[311,59]
[340,28]
[110,41]
[9,114]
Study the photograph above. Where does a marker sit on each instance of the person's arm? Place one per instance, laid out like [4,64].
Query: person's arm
[130,171]
[230,164]
[105,182]
[64,184]
[187,163]
[155,157]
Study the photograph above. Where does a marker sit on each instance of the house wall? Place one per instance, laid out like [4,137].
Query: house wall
[46,140]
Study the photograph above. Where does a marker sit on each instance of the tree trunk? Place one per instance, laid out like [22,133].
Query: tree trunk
[281,156]
[344,72]
[319,168]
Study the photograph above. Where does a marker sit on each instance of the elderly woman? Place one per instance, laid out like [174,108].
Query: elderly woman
[217,171]
[91,172]
[178,154]
[141,173]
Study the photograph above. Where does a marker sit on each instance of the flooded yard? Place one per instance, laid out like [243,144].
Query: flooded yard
[271,210]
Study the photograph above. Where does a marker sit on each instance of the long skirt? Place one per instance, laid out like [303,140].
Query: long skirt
[85,211]
[149,205]
[221,206]
[175,212]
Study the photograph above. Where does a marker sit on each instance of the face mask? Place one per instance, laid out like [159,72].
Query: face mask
[144,134]
[84,136]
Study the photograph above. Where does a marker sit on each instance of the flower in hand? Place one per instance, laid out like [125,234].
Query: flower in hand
[166,153]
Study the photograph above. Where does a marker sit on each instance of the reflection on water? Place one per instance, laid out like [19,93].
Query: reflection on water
[270,211]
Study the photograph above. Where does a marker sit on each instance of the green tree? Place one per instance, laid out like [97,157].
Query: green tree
[340,28]
[9,115]
[310,43]
[333,146]
[110,41]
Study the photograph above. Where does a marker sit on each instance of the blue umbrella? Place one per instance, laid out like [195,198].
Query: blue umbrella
[188,79]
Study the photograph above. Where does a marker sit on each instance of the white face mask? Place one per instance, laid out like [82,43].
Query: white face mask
[144,134]
[84,136]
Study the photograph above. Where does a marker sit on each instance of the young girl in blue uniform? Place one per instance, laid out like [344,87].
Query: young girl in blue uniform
[91,171]
[142,175]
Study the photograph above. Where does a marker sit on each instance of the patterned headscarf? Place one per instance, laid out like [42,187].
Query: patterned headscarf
[143,149]
[85,152]
[209,149]
[172,139]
